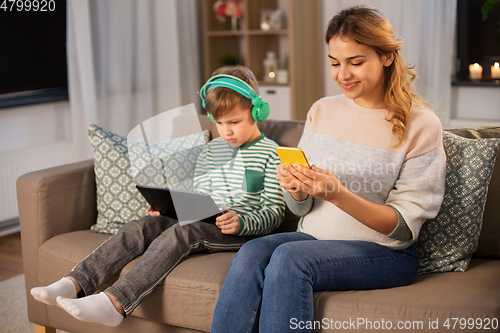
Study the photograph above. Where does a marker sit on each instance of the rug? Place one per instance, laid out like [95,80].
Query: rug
[13,308]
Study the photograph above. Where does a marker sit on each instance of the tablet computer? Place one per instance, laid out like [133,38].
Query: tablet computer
[184,206]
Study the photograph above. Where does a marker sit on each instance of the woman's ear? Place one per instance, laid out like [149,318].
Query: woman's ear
[387,59]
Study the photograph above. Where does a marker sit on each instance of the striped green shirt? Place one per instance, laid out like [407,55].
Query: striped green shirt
[244,179]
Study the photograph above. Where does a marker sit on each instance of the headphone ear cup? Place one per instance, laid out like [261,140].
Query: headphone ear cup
[262,112]
[255,112]
[211,118]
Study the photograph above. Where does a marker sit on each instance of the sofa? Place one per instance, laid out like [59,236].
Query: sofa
[57,206]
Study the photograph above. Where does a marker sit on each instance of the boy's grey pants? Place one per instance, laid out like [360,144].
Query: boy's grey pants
[162,242]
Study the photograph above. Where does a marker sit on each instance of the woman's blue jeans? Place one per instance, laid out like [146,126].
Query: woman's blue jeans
[271,281]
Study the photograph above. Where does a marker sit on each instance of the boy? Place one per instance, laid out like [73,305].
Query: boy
[247,182]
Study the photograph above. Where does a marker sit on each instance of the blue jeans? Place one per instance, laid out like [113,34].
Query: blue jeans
[162,242]
[272,278]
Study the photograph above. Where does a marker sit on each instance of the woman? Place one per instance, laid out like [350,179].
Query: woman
[378,174]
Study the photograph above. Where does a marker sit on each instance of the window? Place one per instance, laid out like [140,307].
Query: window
[478,41]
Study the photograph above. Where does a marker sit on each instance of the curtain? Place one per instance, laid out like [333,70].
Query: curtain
[128,61]
[428,31]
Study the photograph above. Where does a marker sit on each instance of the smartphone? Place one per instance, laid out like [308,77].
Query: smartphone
[292,155]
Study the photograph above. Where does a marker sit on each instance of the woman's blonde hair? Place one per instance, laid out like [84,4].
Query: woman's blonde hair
[366,25]
[220,100]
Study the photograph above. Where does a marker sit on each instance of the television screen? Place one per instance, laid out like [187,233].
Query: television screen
[33,65]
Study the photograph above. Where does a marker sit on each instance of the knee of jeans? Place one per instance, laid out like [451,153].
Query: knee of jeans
[181,233]
[286,261]
[249,255]
[246,253]
[134,225]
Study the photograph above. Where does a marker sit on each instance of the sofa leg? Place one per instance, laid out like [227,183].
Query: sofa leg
[44,329]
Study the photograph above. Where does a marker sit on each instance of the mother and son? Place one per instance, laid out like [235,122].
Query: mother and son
[345,240]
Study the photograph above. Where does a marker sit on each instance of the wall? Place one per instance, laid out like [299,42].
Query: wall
[31,138]
[26,127]
[475,106]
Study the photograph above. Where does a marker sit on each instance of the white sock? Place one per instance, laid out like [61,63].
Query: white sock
[64,287]
[94,308]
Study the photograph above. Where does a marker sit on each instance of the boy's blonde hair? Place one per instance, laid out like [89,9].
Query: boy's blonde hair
[220,100]
[366,25]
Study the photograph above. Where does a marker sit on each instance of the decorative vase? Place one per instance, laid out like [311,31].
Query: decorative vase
[270,66]
[234,23]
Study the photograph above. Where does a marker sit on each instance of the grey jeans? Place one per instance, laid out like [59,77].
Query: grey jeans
[162,242]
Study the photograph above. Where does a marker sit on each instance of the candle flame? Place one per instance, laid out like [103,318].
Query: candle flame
[497,65]
[476,66]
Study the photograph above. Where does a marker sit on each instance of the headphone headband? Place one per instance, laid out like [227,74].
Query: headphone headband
[227,81]
[260,109]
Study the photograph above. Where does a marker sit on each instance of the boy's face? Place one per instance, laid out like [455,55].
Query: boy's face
[237,127]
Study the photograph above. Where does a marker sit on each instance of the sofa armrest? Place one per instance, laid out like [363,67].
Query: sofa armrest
[57,200]
[51,202]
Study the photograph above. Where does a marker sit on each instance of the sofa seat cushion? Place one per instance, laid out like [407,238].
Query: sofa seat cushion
[471,294]
[186,298]
[188,295]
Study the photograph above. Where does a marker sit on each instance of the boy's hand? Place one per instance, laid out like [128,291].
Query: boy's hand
[228,223]
[152,212]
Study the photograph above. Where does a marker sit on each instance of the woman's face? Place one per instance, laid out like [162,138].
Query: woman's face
[359,71]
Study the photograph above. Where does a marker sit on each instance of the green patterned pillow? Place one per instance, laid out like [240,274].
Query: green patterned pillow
[447,242]
[118,200]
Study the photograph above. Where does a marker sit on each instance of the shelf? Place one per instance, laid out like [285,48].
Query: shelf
[224,33]
[271,83]
[268,32]
[486,81]
[298,48]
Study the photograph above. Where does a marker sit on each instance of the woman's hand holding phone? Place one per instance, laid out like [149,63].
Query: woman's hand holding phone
[290,183]
[319,183]
[300,179]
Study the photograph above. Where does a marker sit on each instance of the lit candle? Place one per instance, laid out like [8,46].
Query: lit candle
[495,71]
[475,71]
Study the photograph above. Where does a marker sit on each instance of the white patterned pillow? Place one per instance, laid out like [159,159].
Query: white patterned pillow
[118,200]
[447,242]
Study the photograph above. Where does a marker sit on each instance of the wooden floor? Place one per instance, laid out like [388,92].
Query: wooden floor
[11,257]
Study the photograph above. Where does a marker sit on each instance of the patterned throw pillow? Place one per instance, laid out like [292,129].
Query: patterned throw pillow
[118,200]
[447,242]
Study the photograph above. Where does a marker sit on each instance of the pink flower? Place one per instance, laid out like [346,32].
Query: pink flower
[232,8]
[220,10]
[239,11]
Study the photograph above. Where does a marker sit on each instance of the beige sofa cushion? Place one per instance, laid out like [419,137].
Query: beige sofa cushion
[188,295]
[471,294]
[186,298]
